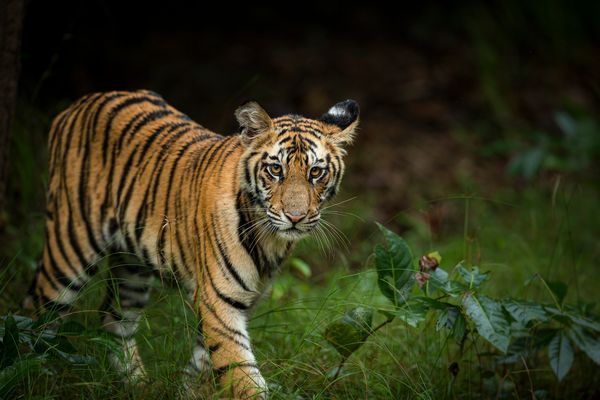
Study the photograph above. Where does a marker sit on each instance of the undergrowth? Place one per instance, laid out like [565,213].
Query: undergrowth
[539,233]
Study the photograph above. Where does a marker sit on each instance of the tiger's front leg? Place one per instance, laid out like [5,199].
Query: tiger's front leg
[224,325]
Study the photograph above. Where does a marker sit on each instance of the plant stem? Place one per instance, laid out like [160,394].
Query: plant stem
[466,249]
[551,293]
[381,325]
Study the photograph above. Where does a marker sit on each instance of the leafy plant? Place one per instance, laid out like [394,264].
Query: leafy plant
[515,328]
[573,150]
[28,347]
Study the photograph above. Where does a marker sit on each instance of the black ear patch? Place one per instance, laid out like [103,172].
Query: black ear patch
[343,114]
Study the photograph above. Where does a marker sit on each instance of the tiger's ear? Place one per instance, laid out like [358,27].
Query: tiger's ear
[253,120]
[341,121]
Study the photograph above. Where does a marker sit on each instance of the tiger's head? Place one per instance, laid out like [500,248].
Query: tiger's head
[292,165]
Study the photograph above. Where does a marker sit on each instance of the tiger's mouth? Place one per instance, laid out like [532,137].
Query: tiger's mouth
[288,230]
[293,233]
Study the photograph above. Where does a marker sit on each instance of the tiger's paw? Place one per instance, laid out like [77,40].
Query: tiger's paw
[245,383]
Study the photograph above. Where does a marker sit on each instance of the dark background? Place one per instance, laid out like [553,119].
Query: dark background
[445,89]
[456,98]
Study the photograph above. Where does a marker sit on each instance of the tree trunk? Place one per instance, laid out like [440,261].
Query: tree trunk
[11,23]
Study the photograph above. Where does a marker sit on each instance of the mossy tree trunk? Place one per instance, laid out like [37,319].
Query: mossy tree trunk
[11,23]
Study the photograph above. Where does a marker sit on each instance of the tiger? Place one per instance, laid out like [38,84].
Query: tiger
[131,175]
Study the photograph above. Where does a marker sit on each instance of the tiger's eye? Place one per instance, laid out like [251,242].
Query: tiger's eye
[275,170]
[315,172]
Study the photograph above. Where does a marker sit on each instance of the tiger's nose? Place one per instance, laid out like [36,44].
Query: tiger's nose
[295,217]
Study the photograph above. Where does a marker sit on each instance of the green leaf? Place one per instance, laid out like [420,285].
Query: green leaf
[584,322]
[351,331]
[474,278]
[447,318]
[586,342]
[560,354]
[525,311]
[489,319]
[412,314]
[394,268]
[431,303]
[438,280]
[301,266]
[517,350]
[460,328]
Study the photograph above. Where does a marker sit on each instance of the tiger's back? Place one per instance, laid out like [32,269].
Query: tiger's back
[130,174]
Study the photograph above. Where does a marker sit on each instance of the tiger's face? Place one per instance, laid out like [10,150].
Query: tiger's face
[293,165]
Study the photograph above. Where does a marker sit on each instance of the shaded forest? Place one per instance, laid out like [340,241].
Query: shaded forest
[479,138]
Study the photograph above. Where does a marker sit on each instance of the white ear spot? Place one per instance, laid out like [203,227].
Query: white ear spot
[337,111]
[342,114]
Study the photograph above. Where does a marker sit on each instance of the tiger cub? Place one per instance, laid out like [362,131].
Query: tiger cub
[129,174]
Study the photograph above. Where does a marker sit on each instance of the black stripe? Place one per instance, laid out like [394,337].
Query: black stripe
[125,172]
[214,347]
[246,236]
[59,275]
[112,114]
[58,239]
[162,161]
[152,138]
[232,270]
[52,305]
[227,327]
[233,303]
[147,120]
[218,372]
[227,336]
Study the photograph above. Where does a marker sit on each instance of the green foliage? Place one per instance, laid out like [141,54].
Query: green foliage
[488,318]
[574,149]
[351,331]
[517,328]
[33,347]
[394,269]
[560,354]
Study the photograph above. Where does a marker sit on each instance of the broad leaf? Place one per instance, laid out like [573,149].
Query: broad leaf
[584,322]
[394,268]
[586,342]
[525,311]
[438,279]
[447,318]
[412,314]
[431,303]
[474,278]
[488,318]
[460,328]
[350,332]
[517,350]
[560,354]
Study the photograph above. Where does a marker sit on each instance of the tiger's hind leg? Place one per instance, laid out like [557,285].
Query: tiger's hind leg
[66,266]
[127,294]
